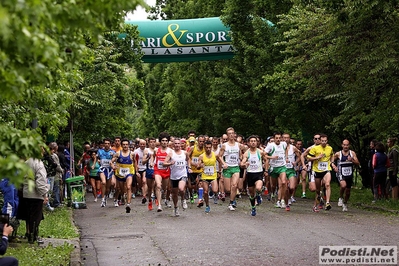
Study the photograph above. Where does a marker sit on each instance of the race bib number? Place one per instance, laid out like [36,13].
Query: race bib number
[160,165]
[253,165]
[209,170]
[194,160]
[233,159]
[124,171]
[346,171]
[180,164]
[105,162]
[322,166]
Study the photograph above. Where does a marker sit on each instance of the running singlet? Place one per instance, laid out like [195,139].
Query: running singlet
[105,157]
[179,168]
[159,159]
[194,159]
[291,157]
[272,149]
[322,164]
[139,153]
[255,162]
[124,166]
[94,172]
[232,154]
[345,167]
[209,172]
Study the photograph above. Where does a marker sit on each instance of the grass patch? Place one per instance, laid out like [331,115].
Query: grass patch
[56,224]
[31,254]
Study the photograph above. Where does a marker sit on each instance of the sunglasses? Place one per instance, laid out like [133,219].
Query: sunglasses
[316,138]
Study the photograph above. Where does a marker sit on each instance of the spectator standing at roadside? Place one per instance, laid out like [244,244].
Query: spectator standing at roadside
[393,156]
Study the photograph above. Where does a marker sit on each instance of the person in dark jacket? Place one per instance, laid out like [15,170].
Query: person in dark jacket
[6,261]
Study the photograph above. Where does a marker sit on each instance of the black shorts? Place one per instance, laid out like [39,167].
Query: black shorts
[194,177]
[320,174]
[347,179]
[175,183]
[252,178]
[242,171]
[97,177]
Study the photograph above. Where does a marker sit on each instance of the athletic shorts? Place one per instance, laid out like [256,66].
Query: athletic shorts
[164,174]
[175,183]
[311,177]
[107,171]
[230,171]
[208,180]
[120,179]
[252,178]
[96,177]
[290,173]
[141,173]
[277,171]
[320,174]
[149,173]
[193,177]
[242,171]
[347,179]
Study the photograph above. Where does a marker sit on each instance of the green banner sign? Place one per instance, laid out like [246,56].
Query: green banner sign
[184,40]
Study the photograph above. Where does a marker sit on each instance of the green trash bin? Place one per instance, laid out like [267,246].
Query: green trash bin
[76,192]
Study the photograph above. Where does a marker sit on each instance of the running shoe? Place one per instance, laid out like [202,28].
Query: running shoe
[293,200]
[215,199]
[116,203]
[303,195]
[176,212]
[143,200]
[156,202]
[111,194]
[192,200]
[200,203]
[258,200]
[103,203]
[289,202]
[184,204]
[195,195]
[231,208]
[340,202]
[133,196]
[328,206]
[234,204]
[167,203]
[128,208]
[207,209]
[283,204]
[321,204]
[223,197]
[95,199]
[344,207]
[150,205]
[159,208]
[287,208]
[315,209]
[278,204]
[238,196]
[253,211]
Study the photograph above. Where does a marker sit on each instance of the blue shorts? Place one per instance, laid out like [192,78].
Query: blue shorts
[108,172]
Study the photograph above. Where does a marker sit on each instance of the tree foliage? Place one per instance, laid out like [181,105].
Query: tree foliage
[41,46]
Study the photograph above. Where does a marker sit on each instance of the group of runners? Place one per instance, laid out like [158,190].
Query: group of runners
[178,170]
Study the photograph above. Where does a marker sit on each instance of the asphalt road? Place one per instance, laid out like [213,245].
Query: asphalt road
[109,236]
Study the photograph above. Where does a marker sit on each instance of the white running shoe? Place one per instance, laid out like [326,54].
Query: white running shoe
[344,207]
[167,203]
[95,199]
[289,202]
[103,202]
[293,200]
[184,204]
[340,202]
[176,212]
[159,208]
[116,203]
[231,208]
[283,204]
[278,204]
